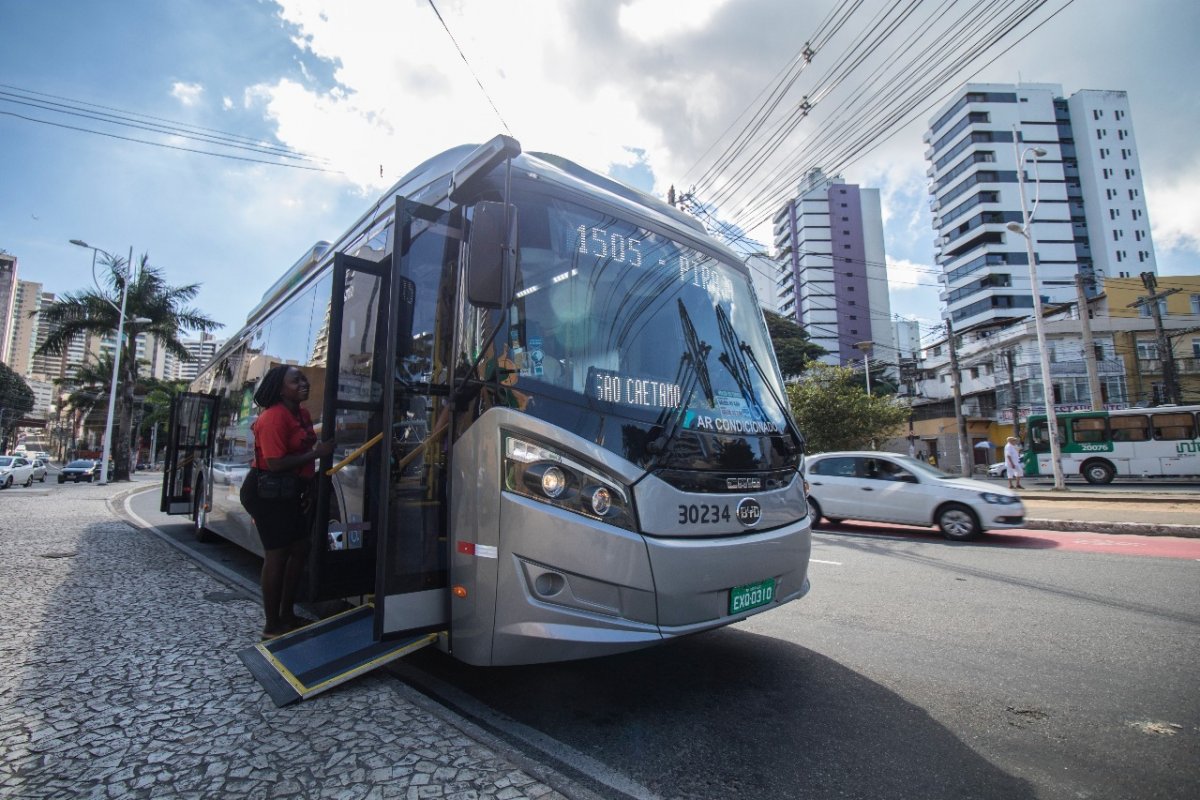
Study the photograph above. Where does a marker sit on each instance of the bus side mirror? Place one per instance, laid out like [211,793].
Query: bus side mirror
[488,273]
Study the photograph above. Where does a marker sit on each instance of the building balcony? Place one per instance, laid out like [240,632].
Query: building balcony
[1183,366]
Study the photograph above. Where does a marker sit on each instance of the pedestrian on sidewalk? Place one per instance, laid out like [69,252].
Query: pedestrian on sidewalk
[1012,463]
[274,492]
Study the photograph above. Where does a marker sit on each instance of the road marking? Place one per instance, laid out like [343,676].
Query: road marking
[819,561]
[1103,543]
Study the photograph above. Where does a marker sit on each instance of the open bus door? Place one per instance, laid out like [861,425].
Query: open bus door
[362,547]
[190,439]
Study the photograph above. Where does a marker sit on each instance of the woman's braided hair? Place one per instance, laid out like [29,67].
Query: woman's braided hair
[271,388]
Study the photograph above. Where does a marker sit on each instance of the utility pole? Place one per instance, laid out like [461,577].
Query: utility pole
[964,444]
[1165,354]
[865,347]
[1009,362]
[1089,350]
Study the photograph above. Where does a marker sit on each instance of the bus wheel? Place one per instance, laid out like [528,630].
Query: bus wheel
[1098,472]
[957,522]
[199,516]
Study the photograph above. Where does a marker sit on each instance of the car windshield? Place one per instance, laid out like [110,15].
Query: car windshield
[639,324]
[79,464]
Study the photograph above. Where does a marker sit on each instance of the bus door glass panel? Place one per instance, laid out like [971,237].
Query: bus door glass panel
[414,569]
[350,363]
[189,442]
[358,399]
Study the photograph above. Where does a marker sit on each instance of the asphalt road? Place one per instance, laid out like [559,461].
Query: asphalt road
[916,668]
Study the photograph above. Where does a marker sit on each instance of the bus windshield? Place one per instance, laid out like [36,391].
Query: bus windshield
[639,325]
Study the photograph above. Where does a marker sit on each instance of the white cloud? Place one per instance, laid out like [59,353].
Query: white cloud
[906,275]
[1174,211]
[227,103]
[657,20]
[187,93]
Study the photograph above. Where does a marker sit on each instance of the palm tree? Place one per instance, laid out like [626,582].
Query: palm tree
[150,307]
[157,404]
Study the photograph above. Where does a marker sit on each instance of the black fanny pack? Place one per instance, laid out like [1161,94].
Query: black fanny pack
[279,485]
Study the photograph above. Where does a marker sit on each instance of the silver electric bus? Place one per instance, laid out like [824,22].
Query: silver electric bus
[561,431]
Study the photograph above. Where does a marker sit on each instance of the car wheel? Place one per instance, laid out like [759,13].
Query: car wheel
[957,522]
[1098,472]
[62,479]
[42,479]
[8,482]
[29,482]
[814,511]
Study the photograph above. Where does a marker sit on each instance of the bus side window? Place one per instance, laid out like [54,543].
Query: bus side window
[1130,428]
[1089,429]
[1173,427]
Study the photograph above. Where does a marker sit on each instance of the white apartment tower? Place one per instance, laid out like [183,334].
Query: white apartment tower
[202,351]
[1090,217]
[833,278]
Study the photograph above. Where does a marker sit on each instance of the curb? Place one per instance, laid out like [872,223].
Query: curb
[1127,528]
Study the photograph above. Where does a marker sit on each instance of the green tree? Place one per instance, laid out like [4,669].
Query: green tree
[16,400]
[157,410]
[834,412]
[793,349]
[152,307]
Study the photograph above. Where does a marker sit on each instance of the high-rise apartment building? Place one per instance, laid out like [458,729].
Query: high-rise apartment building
[23,327]
[1090,216]
[8,296]
[829,240]
[201,351]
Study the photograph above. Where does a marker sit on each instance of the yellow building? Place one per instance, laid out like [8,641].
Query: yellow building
[1139,349]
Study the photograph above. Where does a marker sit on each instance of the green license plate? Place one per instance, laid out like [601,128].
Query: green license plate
[752,595]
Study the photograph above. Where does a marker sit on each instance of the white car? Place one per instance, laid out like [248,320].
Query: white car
[40,469]
[15,469]
[997,470]
[886,487]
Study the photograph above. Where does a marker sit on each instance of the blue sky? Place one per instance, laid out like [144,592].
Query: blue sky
[639,89]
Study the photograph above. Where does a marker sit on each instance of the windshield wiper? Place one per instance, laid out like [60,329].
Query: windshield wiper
[693,370]
[741,375]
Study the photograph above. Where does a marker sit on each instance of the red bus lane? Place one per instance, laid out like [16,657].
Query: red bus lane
[1075,541]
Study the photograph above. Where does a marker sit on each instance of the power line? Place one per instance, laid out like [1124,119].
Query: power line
[167,146]
[469,67]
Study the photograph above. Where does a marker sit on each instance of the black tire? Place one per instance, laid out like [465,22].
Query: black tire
[814,511]
[62,479]
[958,522]
[202,533]
[1098,472]
[29,482]
[8,482]
[43,478]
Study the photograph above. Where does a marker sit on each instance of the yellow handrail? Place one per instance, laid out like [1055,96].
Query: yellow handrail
[374,440]
[438,431]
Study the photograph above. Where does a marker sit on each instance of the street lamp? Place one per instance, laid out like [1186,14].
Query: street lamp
[866,349]
[112,389]
[1026,231]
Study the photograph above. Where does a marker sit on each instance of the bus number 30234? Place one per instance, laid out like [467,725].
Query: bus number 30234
[704,514]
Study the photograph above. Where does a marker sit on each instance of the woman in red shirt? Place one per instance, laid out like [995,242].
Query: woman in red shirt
[284,442]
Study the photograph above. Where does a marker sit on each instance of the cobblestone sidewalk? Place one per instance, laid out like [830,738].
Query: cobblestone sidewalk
[118,678]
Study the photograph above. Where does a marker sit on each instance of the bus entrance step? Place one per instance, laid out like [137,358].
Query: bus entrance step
[317,657]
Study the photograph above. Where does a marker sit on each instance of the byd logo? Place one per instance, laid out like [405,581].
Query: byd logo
[749,512]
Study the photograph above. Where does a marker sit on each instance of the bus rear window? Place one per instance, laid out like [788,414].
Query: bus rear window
[1130,429]
[1089,429]
[1171,427]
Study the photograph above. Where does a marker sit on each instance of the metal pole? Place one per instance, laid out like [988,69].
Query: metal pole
[1047,386]
[112,389]
[1089,347]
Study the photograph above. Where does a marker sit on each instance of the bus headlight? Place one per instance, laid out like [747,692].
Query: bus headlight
[545,474]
